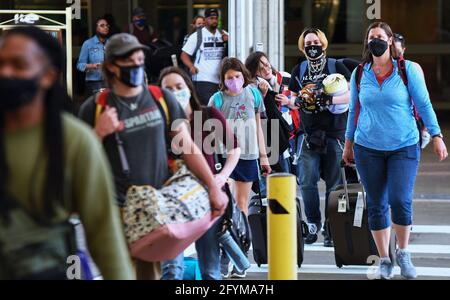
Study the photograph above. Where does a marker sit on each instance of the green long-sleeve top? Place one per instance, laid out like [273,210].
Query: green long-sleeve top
[88,189]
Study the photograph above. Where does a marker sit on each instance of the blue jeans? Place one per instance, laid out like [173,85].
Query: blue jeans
[311,167]
[285,164]
[296,145]
[388,177]
[208,252]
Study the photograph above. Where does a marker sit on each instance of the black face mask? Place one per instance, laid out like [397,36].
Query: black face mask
[314,51]
[378,47]
[15,93]
[132,76]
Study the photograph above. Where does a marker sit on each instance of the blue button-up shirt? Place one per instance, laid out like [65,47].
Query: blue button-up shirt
[92,52]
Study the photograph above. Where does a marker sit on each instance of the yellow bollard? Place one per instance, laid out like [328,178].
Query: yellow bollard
[282,227]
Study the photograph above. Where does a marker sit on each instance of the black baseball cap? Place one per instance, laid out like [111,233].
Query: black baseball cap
[138,12]
[211,12]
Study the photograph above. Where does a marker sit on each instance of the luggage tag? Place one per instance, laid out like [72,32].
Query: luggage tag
[342,204]
[359,211]
[264,202]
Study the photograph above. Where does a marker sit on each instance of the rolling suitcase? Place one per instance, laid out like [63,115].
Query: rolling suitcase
[257,217]
[353,245]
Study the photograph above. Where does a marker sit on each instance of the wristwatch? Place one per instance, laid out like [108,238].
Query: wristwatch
[440,135]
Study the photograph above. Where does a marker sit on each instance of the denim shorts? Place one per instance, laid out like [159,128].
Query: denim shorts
[246,171]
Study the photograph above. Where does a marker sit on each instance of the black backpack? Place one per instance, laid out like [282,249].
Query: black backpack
[161,53]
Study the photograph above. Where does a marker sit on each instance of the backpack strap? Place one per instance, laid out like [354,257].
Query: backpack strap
[358,76]
[401,64]
[332,65]
[256,96]
[199,43]
[100,104]
[218,100]
[158,95]
[302,70]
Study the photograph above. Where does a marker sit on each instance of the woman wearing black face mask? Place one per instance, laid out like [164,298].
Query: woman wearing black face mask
[383,138]
[51,166]
[319,149]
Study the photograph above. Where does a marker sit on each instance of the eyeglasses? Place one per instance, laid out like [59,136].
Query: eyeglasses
[104,25]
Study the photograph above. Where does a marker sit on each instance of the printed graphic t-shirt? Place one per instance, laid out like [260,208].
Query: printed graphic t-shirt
[144,139]
[240,112]
[209,55]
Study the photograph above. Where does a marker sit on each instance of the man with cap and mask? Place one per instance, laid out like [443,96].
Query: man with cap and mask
[203,60]
[133,117]
[140,28]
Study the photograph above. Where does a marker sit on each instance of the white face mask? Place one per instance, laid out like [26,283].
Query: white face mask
[183,97]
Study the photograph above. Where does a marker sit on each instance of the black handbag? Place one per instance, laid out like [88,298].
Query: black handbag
[234,220]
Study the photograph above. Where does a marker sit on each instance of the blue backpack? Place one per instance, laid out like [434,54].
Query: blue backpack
[331,66]
[218,98]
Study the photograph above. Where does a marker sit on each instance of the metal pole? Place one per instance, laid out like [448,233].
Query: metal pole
[232,27]
[69,50]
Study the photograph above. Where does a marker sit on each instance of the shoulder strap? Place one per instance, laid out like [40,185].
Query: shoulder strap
[332,65]
[158,95]
[402,70]
[100,104]
[218,100]
[401,64]
[302,69]
[358,76]
[257,96]
[199,42]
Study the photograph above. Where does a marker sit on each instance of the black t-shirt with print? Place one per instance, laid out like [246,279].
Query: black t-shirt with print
[144,139]
[333,125]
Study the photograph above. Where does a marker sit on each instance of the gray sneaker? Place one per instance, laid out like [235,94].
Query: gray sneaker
[408,271]
[386,269]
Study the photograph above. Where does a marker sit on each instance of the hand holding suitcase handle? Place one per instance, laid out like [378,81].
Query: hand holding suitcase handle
[344,180]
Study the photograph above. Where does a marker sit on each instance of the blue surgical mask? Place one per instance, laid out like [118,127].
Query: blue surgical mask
[141,22]
[132,76]
[183,97]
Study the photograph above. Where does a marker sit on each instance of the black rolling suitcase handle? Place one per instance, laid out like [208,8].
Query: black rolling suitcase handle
[344,179]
